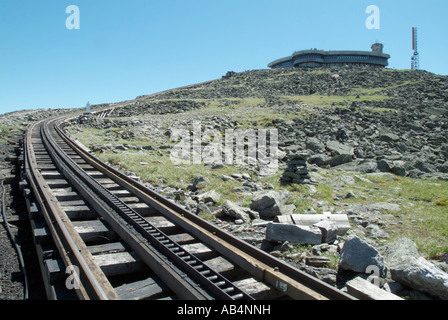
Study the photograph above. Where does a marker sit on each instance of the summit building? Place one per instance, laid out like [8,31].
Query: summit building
[320,58]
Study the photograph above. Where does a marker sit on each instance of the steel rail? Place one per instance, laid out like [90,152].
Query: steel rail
[69,245]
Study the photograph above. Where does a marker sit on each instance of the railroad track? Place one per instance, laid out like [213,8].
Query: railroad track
[100,235]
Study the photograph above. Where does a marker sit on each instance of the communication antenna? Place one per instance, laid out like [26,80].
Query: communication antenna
[415,60]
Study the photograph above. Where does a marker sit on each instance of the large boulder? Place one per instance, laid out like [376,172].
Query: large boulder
[210,196]
[357,255]
[409,268]
[314,145]
[271,204]
[337,148]
[235,211]
[389,137]
[421,275]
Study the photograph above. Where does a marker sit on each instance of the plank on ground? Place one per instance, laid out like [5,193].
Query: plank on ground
[365,290]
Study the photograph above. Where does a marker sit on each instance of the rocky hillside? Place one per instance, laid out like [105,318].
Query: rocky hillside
[386,120]
[369,145]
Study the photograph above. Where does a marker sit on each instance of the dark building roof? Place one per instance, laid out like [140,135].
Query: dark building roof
[320,58]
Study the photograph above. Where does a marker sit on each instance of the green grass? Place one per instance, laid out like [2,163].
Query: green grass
[373,91]
[338,101]
[424,212]
[159,170]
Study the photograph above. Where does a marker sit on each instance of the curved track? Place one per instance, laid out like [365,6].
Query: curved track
[102,236]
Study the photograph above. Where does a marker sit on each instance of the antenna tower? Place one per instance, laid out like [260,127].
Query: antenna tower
[415,60]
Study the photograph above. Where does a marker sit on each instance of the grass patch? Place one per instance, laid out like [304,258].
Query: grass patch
[339,101]
[424,212]
[159,170]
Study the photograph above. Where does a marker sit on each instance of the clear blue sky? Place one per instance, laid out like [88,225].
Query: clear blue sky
[128,48]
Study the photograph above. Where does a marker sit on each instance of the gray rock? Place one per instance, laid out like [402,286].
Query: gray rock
[350,195]
[409,268]
[339,160]
[424,166]
[319,159]
[357,255]
[239,221]
[398,168]
[383,206]
[363,166]
[246,176]
[315,145]
[337,148]
[237,176]
[203,208]
[210,196]
[389,137]
[383,165]
[393,287]
[377,233]
[235,211]
[199,182]
[225,177]
[398,249]
[421,275]
[271,204]
[329,230]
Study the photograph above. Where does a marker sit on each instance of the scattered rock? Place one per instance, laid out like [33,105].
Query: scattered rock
[199,182]
[336,148]
[350,195]
[421,275]
[210,196]
[409,268]
[389,137]
[235,211]
[329,230]
[357,255]
[271,204]
[383,165]
[398,168]
[375,232]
